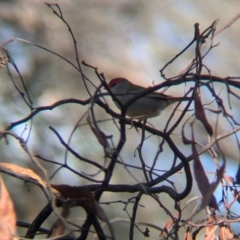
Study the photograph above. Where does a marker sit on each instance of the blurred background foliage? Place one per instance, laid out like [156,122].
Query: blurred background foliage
[131,39]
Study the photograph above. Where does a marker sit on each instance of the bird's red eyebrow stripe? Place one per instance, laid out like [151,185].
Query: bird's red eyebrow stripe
[114,81]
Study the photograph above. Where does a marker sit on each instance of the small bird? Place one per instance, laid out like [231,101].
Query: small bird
[143,108]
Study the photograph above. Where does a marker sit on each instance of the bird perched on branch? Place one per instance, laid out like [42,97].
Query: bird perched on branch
[144,107]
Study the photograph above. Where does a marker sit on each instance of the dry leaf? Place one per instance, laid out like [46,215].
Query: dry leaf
[205,188]
[229,179]
[25,174]
[101,137]
[188,235]
[100,212]
[83,197]
[210,233]
[4,58]
[7,213]
[168,226]
[58,227]
[226,233]
[213,186]
[200,176]
[210,230]
[184,138]
[200,113]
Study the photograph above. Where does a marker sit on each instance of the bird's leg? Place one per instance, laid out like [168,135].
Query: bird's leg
[131,119]
[143,121]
